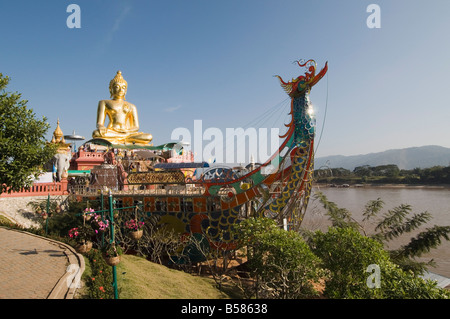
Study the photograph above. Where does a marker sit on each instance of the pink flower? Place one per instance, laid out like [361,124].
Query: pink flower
[102,225]
[73,232]
[134,225]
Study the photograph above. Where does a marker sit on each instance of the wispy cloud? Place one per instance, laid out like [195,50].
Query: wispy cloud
[172,109]
[120,18]
[116,26]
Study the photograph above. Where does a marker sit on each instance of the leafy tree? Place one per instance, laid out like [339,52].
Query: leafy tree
[390,170]
[393,224]
[23,149]
[397,222]
[340,217]
[364,170]
[341,172]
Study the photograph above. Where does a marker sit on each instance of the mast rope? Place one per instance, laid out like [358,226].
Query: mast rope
[324,117]
[261,119]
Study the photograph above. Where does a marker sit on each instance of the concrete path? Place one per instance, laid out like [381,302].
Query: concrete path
[34,267]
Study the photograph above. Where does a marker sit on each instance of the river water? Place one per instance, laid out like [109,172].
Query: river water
[436,201]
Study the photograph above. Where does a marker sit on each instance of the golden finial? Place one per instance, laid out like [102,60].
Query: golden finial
[58,138]
[58,132]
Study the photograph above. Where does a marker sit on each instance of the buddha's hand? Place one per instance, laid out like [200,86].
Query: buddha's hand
[101,130]
[119,130]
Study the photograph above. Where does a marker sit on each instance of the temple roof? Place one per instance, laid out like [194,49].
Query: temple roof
[100,141]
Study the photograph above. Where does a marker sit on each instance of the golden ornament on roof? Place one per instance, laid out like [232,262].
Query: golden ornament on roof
[58,139]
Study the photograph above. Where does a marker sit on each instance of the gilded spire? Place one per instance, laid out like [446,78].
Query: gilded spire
[58,138]
[58,132]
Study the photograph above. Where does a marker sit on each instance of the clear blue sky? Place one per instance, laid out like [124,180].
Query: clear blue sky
[215,60]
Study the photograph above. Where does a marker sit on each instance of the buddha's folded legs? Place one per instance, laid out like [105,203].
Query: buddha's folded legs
[139,138]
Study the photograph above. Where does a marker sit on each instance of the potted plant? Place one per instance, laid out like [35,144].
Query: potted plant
[111,254]
[99,224]
[136,228]
[88,213]
[82,236]
[38,207]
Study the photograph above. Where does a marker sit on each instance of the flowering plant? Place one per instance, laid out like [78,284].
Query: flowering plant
[88,213]
[100,224]
[80,234]
[134,225]
[110,250]
[73,233]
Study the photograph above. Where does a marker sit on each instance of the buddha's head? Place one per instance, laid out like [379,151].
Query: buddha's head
[118,86]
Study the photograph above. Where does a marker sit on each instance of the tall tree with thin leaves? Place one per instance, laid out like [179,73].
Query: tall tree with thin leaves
[393,224]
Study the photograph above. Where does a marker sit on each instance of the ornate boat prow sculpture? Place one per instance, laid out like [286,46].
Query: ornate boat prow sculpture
[212,205]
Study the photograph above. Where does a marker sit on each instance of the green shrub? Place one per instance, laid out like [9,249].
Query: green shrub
[98,281]
[399,284]
[348,254]
[281,262]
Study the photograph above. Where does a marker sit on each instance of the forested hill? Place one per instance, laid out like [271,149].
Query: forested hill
[406,158]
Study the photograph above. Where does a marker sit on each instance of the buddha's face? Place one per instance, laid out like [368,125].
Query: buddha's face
[118,90]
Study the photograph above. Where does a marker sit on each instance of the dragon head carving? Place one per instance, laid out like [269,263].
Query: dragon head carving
[303,83]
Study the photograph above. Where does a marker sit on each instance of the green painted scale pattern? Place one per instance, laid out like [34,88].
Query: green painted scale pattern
[302,144]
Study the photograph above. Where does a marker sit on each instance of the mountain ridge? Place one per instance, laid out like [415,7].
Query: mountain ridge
[405,158]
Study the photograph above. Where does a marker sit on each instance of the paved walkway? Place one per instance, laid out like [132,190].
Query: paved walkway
[34,267]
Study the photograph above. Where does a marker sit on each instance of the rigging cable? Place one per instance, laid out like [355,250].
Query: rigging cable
[262,118]
[259,120]
[324,117]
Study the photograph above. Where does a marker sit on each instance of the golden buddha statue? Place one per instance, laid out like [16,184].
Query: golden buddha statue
[123,127]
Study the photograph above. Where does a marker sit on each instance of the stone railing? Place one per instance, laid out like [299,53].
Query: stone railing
[40,189]
[187,190]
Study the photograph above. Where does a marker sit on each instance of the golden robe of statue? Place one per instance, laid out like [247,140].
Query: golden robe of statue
[123,127]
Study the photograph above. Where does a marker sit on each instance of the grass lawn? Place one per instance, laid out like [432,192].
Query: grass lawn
[139,278]
[5,220]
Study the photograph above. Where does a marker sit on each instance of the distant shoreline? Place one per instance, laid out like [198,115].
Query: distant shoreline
[411,186]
